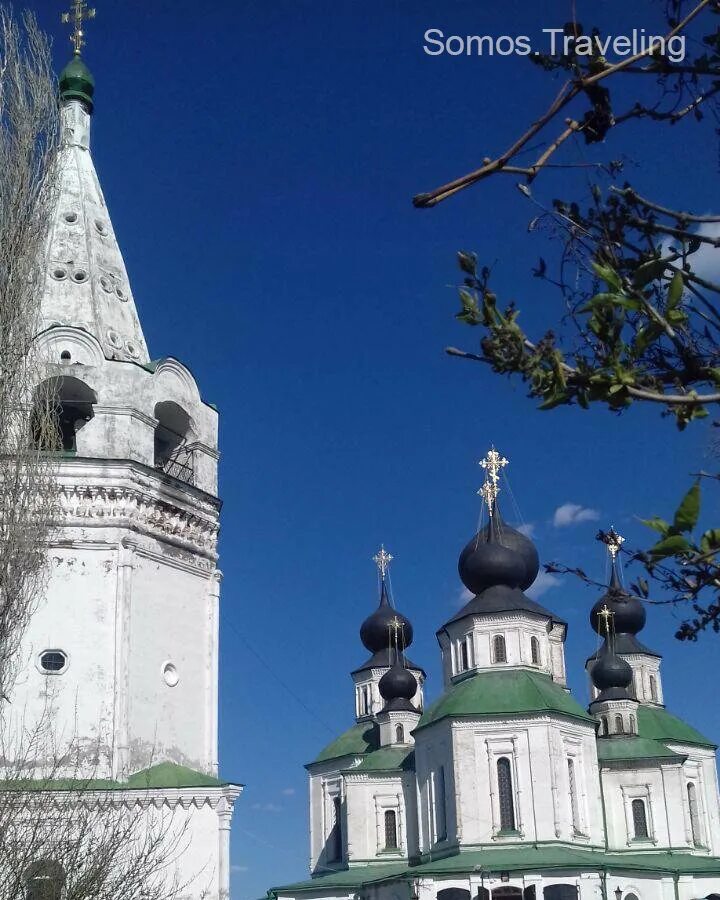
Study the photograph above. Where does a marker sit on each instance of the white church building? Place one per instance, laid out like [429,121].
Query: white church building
[134,549]
[506,788]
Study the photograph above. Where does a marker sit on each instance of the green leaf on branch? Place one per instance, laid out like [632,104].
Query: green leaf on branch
[675,291]
[648,272]
[673,545]
[687,513]
[608,275]
[657,524]
[468,262]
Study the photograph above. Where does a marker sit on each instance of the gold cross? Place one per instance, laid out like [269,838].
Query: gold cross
[77,16]
[382,560]
[493,463]
[605,614]
[396,625]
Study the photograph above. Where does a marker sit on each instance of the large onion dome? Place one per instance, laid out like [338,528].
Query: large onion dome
[375,630]
[628,612]
[498,555]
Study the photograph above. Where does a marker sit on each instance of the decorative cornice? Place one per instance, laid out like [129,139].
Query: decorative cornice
[123,506]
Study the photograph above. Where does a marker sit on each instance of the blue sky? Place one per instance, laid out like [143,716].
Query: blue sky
[258,160]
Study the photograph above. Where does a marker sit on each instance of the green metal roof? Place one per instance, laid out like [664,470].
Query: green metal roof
[162,775]
[504,692]
[361,738]
[511,859]
[658,724]
[386,759]
[616,749]
[346,878]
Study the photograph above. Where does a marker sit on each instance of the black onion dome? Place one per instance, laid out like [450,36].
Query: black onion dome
[397,683]
[628,612]
[498,554]
[610,671]
[375,630]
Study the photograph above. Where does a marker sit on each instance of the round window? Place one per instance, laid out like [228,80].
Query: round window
[79,275]
[52,662]
[59,273]
[71,217]
[170,674]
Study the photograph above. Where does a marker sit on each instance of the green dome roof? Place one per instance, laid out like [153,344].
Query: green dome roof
[77,83]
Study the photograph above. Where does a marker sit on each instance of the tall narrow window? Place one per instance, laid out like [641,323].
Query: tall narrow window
[633,726]
[391,835]
[499,652]
[619,724]
[440,813]
[694,815]
[505,795]
[653,689]
[639,816]
[574,806]
[399,735]
[335,842]
[605,726]
[535,651]
[464,658]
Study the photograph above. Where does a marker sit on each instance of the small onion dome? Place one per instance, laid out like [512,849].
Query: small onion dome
[397,683]
[498,554]
[610,671]
[76,83]
[375,630]
[628,612]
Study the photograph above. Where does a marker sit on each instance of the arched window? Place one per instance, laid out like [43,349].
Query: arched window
[499,651]
[173,437]
[44,880]
[653,689]
[61,406]
[391,835]
[694,814]
[335,840]
[400,734]
[535,651]
[505,795]
[619,724]
[574,805]
[464,657]
[605,728]
[639,817]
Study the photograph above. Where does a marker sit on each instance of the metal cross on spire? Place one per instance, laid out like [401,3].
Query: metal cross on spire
[382,560]
[613,541]
[605,615]
[79,12]
[493,463]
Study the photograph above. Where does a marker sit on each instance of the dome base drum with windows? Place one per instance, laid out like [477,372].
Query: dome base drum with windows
[506,788]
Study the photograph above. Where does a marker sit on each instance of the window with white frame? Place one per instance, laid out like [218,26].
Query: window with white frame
[506,800]
[535,651]
[391,830]
[653,689]
[641,830]
[499,649]
[574,799]
[694,813]
[440,805]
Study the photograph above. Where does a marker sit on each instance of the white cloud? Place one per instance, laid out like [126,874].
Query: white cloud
[705,262]
[266,807]
[573,514]
[544,582]
[528,529]
[288,792]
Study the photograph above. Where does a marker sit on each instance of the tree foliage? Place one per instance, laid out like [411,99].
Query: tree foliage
[641,316]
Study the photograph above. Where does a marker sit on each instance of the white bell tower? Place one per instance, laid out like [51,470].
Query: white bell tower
[122,652]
